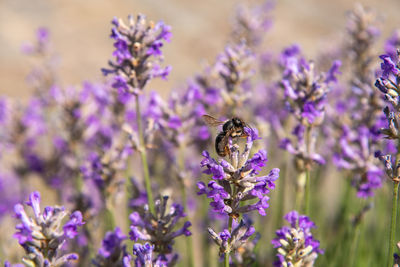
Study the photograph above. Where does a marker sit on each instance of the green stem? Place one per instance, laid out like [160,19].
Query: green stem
[282,188]
[109,220]
[226,258]
[189,239]
[394,209]
[354,244]
[300,191]
[307,194]
[393,223]
[142,150]
[344,206]
[108,215]
[128,188]
[189,244]
[307,171]
[342,220]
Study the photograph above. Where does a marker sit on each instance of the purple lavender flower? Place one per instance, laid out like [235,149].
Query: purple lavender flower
[8,264]
[179,119]
[363,103]
[10,187]
[305,154]
[43,75]
[234,240]
[144,257]
[305,89]
[3,110]
[363,33]
[143,254]
[42,43]
[103,168]
[389,83]
[43,236]
[137,53]
[354,131]
[161,235]
[392,168]
[138,198]
[392,44]
[246,254]
[305,93]
[226,82]
[235,68]
[251,23]
[241,172]
[355,155]
[112,251]
[33,120]
[296,244]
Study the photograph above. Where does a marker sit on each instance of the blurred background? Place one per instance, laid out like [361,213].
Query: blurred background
[80,40]
[80,32]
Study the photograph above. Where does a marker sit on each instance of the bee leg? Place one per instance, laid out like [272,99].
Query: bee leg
[227,151]
[244,135]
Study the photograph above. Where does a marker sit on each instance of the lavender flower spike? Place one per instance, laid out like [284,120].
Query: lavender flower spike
[160,234]
[43,235]
[389,82]
[137,53]
[112,251]
[232,241]
[144,257]
[296,245]
[241,171]
[356,155]
[143,254]
[305,89]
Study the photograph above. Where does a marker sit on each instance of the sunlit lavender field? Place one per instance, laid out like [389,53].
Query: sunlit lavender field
[263,157]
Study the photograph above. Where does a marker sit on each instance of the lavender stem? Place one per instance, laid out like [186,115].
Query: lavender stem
[308,182]
[281,192]
[393,221]
[300,191]
[394,211]
[226,258]
[189,239]
[109,220]
[354,244]
[307,194]
[128,190]
[142,150]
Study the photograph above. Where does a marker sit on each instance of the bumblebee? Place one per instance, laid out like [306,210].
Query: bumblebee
[231,128]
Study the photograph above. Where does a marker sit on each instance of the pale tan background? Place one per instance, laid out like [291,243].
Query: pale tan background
[80,30]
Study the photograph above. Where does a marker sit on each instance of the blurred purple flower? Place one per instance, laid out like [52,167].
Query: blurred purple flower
[45,225]
[251,23]
[144,257]
[41,45]
[305,89]
[10,187]
[112,251]
[162,234]
[392,44]
[296,244]
[356,155]
[143,254]
[235,240]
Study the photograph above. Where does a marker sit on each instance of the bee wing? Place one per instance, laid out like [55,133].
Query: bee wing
[211,120]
